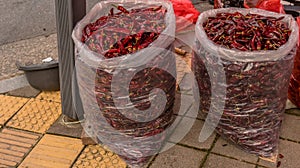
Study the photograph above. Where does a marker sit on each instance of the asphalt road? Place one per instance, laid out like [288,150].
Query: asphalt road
[23,19]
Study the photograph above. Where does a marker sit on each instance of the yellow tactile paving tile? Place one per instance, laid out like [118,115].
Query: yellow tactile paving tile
[36,115]
[96,156]
[53,152]
[50,96]
[14,145]
[9,105]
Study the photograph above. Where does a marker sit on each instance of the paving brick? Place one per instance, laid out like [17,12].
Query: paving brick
[215,161]
[9,105]
[183,65]
[16,138]
[50,96]
[26,91]
[14,145]
[181,128]
[201,116]
[53,151]
[60,127]
[183,104]
[225,148]
[291,127]
[97,156]
[19,133]
[187,104]
[178,157]
[36,116]
[191,138]
[290,152]
[87,140]
[6,163]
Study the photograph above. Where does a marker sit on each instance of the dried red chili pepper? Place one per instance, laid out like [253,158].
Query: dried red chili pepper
[121,8]
[156,9]
[280,156]
[294,86]
[255,90]
[266,33]
[278,164]
[121,39]
[119,35]
[120,26]
[112,12]
[252,88]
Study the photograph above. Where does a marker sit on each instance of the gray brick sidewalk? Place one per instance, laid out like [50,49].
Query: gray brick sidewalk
[218,153]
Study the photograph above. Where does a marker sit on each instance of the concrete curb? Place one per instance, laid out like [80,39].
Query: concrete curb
[13,83]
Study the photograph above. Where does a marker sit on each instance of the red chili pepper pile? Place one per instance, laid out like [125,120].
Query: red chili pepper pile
[121,33]
[294,86]
[114,35]
[256,91]
[125,32]
[248,32]
[139,93]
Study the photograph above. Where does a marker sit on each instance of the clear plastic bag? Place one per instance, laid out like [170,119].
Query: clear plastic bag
[243,94]
[128,100]
[294,86]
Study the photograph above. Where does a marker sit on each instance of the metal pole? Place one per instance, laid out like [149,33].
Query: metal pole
[68,13]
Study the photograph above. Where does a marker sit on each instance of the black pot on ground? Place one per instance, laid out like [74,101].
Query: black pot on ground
[43,76]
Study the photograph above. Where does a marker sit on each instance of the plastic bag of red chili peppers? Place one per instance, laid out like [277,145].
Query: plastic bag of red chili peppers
[242,61]
[294,86]
[125,70]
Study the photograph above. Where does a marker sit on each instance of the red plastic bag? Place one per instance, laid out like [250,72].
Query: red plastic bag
[294,86]
[186,13]
[269,5]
